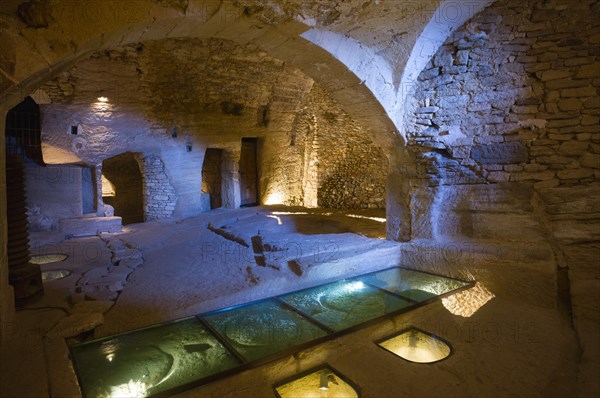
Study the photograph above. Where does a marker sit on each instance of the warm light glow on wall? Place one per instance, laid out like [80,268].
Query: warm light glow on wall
[316,383]
[103,106]
[108,188]
[274,198]
[288,213]
[378,219]
[468,302]
[415,345]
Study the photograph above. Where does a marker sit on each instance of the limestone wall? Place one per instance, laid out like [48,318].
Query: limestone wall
[171,99]
[511,101]
[53,193]
[513,95]
[351,170]
[326,160]
[160,197]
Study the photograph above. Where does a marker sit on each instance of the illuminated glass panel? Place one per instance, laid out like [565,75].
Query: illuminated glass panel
[413,285]
[263,328]
[148,361]
[344,304]
[316,383]
[415,345]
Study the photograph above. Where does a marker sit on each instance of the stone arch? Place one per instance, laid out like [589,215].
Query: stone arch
[364,83]
[281,41]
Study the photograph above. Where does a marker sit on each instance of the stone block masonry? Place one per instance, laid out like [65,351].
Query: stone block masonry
[160,197]
[514,94]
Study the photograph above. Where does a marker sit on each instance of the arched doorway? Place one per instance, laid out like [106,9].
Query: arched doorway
[122,187]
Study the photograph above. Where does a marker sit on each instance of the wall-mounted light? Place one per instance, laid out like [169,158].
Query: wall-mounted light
[102,99]
[315,382]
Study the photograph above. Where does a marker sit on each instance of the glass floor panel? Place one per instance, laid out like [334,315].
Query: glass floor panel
[263,328]
[179,355]
[413,285]
[151,360]
[344,304]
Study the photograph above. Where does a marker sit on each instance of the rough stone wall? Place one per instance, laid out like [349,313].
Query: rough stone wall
[352,171]
[53,193]
[330,161]
[160,197]
[513,95]
[171,99]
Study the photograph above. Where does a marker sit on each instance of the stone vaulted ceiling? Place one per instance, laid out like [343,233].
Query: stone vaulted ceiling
[364,53]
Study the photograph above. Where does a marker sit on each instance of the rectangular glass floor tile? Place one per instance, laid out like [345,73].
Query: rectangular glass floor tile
[151,360]
[344,304]
[263,328]
[414,285]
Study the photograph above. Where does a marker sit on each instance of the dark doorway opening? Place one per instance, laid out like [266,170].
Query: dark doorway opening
[212,176]
[249,172]
[23,131]
[125,192]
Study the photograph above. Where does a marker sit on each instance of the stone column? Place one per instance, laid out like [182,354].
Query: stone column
[98,181]
[401,176]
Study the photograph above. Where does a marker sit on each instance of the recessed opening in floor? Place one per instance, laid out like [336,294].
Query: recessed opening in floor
[415,345]
[48,258]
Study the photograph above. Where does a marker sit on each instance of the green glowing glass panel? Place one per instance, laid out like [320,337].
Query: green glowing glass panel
[263,328]
[151,360]
[413,285]
[345,304]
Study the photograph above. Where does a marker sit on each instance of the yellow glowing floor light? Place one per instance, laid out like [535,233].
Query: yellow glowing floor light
[416,345]
[322,381]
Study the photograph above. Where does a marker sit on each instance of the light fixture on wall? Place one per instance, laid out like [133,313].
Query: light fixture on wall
[102,98]
[322,381]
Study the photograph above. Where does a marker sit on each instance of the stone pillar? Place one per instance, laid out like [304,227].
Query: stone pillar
[160,198]
[98,181]
[399,190]
[7,305]
[230,184]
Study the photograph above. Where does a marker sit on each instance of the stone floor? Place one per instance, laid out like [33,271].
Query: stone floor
[518,344]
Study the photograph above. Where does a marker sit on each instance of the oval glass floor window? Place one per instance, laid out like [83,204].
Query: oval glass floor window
[47,258]
[415,345]
[53,275]
[322,381]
